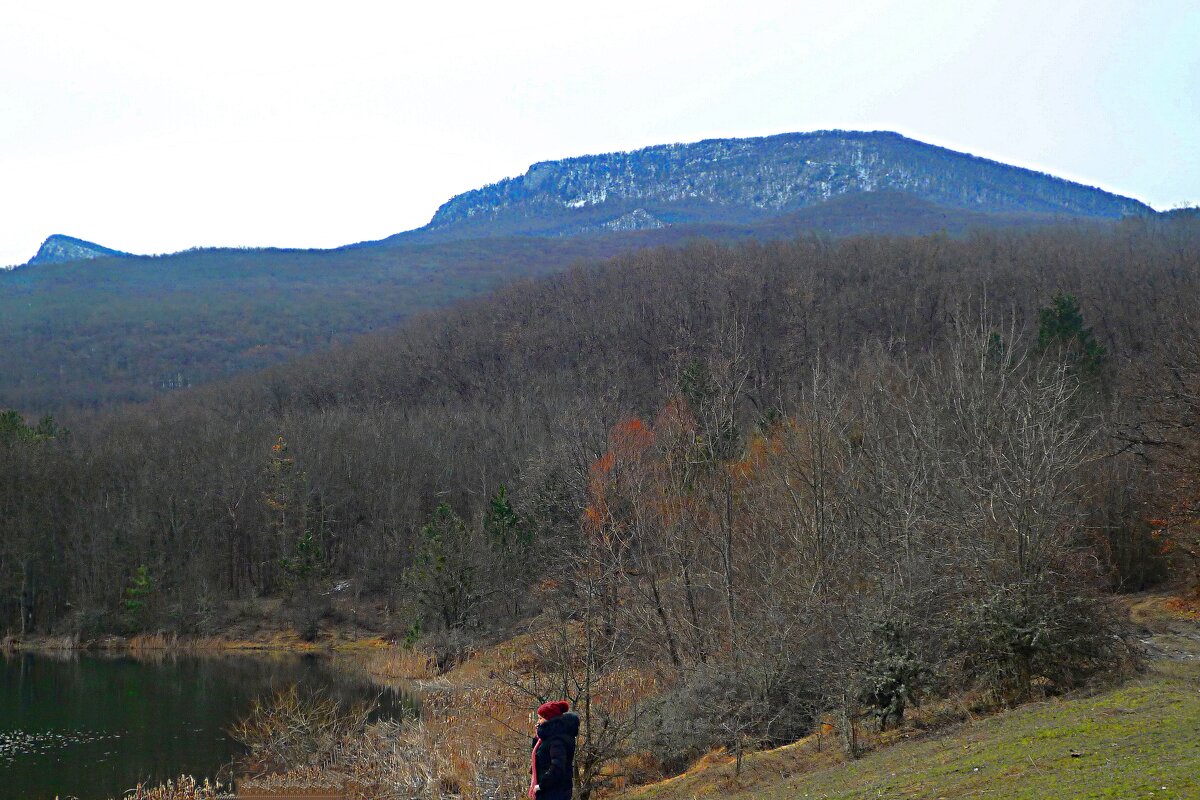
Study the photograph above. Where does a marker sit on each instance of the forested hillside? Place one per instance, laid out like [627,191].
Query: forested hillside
[522,389]
[111,330]
[776,480]
[84,325]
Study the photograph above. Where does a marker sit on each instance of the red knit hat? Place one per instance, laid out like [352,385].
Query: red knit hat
[554,708]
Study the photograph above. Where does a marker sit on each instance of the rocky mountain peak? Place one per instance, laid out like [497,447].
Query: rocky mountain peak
[739,180]
[58,249]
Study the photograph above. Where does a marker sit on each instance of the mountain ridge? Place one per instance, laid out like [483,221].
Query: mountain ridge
[724,181]
[743,179]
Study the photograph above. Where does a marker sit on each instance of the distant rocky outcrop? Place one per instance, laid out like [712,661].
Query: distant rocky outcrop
[742,180]
[58,249]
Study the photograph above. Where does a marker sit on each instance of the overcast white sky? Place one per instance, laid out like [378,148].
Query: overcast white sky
[157,126]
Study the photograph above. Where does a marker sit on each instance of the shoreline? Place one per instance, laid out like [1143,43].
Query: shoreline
[378,659]
[279,642]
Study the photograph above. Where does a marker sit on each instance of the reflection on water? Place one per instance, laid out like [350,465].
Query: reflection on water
[92,727]
[14,744]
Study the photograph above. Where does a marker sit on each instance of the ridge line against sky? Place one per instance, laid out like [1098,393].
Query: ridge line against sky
[151,128]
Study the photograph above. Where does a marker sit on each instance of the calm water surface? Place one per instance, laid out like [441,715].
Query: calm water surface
[92,727]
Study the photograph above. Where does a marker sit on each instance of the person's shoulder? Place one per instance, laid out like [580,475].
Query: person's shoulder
[564,726]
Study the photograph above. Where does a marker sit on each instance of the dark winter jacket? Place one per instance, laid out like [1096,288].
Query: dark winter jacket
[555,757]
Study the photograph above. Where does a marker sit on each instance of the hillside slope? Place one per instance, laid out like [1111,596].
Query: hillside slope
[521,390]
[1139,740]
[110,330]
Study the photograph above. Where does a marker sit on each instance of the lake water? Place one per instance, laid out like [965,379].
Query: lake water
[93,727]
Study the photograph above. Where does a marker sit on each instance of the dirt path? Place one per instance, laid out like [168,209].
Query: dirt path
[1168,629]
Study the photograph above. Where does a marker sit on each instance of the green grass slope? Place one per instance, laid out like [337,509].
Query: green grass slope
[1140,740]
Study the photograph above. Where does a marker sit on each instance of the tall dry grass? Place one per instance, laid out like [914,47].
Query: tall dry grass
[171,642]
[396,664]
[471,742]
[182,788]
[306,743]
[411,760]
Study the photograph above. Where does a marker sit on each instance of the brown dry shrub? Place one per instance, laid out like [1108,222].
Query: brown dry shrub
[292,729]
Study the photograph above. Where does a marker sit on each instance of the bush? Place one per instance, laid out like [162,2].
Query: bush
[295,729]
[305,611]
[1032,636]
[91,622]
[449,648]
[894,674]
[735,709]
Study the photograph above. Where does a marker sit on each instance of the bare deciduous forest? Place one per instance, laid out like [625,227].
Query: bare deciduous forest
[794,478]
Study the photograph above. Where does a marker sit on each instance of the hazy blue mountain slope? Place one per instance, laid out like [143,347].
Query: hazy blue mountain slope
[111,330]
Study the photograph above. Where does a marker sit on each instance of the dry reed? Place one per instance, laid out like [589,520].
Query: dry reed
[182,788]
[393,664]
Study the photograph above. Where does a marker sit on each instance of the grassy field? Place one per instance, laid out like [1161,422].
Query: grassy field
[1140,740]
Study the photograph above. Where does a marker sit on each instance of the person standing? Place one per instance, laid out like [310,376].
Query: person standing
[552,762]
